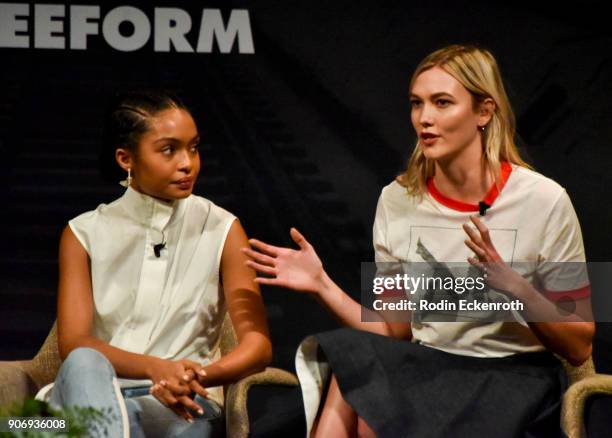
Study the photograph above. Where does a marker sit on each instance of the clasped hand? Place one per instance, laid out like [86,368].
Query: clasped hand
[175,383]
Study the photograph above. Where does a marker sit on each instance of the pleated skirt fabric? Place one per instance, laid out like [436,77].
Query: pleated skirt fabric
[403,389]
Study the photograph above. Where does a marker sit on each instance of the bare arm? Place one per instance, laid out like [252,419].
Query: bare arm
[302,270]
[75,323]
[246,309]
[570,336]
[572,340]
[75,312]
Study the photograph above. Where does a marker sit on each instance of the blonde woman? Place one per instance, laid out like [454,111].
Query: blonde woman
[466,378]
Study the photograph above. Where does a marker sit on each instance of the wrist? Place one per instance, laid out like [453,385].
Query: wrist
[523,290]
[325,284]
[151,367]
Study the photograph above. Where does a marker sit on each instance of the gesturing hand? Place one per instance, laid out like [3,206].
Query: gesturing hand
[496,272]
[300,270]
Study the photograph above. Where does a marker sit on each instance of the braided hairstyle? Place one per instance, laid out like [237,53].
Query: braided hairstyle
[127,121]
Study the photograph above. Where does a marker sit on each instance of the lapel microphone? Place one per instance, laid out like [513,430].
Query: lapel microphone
[159,246]
[157,249]
[482,208]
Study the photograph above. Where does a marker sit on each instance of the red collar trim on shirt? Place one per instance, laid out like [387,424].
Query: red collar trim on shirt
[491,196]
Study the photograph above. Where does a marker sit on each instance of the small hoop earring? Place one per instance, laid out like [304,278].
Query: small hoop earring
[128,181]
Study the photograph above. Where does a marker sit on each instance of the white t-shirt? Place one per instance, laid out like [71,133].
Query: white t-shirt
[531,222]
[171,306]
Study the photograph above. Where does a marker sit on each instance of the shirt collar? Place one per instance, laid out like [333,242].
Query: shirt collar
[150,211]
[490,197]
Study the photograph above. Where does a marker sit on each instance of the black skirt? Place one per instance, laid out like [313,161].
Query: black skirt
[402,389]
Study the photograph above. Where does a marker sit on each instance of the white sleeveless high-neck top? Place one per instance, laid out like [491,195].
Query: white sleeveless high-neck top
[171,306]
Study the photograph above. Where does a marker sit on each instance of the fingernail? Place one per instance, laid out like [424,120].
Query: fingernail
[190,420]
[201,411]
[185,377]
[162,382]
[202,373]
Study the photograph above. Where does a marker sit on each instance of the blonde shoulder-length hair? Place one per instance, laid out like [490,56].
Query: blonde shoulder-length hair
[477,70]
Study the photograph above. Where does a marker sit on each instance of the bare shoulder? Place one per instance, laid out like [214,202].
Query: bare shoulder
[69,242]
[236,237]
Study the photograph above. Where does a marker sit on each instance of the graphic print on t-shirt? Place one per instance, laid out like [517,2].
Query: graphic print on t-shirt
[447,244]
[425,243]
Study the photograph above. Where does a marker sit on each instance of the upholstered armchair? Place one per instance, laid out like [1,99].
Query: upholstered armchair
[584,382]
[22,379]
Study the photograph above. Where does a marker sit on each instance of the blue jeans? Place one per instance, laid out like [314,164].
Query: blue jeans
[86,380]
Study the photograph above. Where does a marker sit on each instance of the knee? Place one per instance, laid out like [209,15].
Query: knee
[364,430]
[87,360]
[199,428]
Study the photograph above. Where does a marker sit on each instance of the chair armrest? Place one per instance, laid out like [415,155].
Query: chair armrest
[236,415]
[15,383]
[572,416]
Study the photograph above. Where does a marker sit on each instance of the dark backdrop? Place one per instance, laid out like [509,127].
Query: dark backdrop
[305,132]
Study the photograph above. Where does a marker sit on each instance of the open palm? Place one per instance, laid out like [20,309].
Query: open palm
[300,269]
